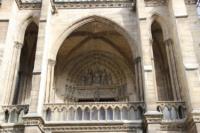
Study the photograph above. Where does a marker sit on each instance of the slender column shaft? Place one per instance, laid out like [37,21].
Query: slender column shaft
[172,69]
[139,78]
[50,82]
[13,73]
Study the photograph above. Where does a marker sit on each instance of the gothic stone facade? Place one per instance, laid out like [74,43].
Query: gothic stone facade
[127,66]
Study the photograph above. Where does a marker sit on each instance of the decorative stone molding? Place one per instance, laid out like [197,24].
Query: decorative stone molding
[61,4]
[12,129]
[29,4]
[190,2]
[173,126]
[34,121]
[18,45]
[153,117]
[150,3]
[94,128]
[15,107]
[51,62]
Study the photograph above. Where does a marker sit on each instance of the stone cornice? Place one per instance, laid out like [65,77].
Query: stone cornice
[63,4]
[93,128]
[29,4]
[68,4]
[150,3]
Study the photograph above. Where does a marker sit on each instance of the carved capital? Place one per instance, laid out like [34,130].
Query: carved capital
[138,59]
[150,41]
[168,41]
[18,45]
[51,62]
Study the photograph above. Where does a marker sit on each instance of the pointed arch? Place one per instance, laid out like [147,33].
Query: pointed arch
[26,64]
[163,24]
[161,63]
[82,22]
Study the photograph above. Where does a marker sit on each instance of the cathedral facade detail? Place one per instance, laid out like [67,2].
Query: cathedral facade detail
[99,66]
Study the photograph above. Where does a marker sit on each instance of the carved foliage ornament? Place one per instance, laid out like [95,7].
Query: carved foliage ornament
[150,3]
[36,4]
[94,4]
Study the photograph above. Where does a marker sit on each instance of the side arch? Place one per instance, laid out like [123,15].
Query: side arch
[23,26]
[163,23]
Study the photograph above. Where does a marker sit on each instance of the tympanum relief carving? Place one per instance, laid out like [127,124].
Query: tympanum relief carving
[95,76]
[95,81]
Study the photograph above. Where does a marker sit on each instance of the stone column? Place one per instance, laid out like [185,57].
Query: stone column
[139,78]
[50,81]
[11,85]
[173,70]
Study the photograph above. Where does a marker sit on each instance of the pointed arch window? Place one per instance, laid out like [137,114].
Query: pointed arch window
[164,62]
[26,65]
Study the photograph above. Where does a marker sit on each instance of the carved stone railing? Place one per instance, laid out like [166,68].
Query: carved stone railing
[14,113]
[172,110]
[94,111]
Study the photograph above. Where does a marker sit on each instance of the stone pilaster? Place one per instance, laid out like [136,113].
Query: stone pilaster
[50,81]
[153,121]
[13,72]
[184,42]
[40,66]
[150,89]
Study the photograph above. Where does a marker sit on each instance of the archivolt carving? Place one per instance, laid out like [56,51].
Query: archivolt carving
[96,75]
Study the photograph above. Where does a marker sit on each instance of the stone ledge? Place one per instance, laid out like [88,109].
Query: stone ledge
[34,120]
[153,117]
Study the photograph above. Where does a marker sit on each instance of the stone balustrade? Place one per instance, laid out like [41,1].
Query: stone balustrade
[172,110]
[94,111]
[14,113]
